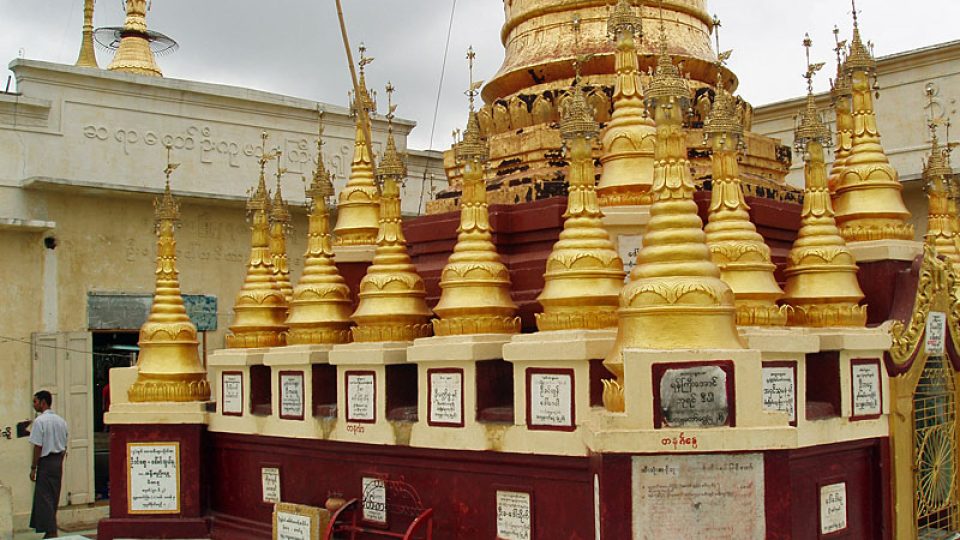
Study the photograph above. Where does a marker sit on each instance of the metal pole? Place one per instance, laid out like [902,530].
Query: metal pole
[362,111]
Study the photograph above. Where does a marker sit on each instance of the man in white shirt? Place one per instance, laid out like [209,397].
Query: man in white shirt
[49,439]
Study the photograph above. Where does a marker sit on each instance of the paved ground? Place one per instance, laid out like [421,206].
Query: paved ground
[73,535]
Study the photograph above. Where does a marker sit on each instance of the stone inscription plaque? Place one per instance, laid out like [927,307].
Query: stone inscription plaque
[833,508]
[513,516]
[291,395]
[698,496]
[361,397]
[231,402]
[551,400]
[153,478]
[866,382]
[628,247]
[936,330]
[270,484]
[446,397]
[694,397]
[374,500]
[298,522]
[779,390]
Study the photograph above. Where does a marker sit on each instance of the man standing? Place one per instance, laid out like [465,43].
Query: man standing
[49,439]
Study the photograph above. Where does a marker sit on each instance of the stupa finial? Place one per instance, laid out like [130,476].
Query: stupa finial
[134,54]
[261,306]
[822,288]
[87,56]
[735,245]
[938,178]
[279,228]
[169,367]
[320,303]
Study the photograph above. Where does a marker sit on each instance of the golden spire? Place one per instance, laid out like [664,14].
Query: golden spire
[392,294]
[260,308]
[320,307]
[822,287]
[358,208]
[675,298]
[937,179]
[630,137]
[169,368]
[841,93]
[134,54]
[735,245]
[279,227]
[87,56]
[867,197]
[475,284]
[584,272]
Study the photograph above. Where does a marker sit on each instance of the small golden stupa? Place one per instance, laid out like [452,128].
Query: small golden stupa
[392,294]
[475,284]
[584,273]
[358,206]
[937,177]
[279,227]
[260,308]
[169,367]
[867,198]
[675,298]
[320,306]
[841,94]
[735,245]
[87,56]
[630,137]
[822,287]
[134,54]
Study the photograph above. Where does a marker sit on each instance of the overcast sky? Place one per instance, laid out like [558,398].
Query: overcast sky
[293,47]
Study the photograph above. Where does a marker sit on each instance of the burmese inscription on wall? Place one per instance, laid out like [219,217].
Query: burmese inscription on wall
[446,397]
[833,508]
[628,246]
[298,522]
[231,402]
[291,394]
[551,400]
[779,390]
[374,500]
[936,329]
[361,392]
[866,388]
[153,478]
[513,516]
[698,496]
[270,484]
[694,397]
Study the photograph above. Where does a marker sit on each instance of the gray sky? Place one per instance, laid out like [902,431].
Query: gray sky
[293,47]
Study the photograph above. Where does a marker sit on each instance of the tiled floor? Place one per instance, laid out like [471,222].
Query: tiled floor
[73,535]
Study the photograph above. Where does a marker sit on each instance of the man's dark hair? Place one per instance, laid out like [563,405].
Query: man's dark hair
[45,397]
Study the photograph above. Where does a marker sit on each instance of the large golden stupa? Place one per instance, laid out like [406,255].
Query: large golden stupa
[520,115]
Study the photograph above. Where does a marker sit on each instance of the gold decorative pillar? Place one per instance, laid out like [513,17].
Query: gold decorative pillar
[320,306]
[675,298]
[87,56]
[630,137]
[260,308]
[735,245]
[169,367]
[358,207]
[134,54]
[822,287]
[867,198]
[584,273]
[279,227]
[392,294]
[937,177]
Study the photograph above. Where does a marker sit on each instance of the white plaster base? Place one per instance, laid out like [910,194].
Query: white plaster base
[297,355]
[364,353]
[354,254]
[560,345]
[881,250]
[470,347]
[234,360]
[191,412]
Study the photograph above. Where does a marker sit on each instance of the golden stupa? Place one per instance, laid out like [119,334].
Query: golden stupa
[358,206]
[475,284]
[822,287]
[937,177]
[841,94]
[279,227]
[321,303]
[867,197]
[735,245]
[169,367]
[134,54]
[87,56]
[261,307]
[392,294]
[629,139]
[584,273]
[675,298]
